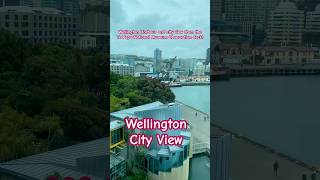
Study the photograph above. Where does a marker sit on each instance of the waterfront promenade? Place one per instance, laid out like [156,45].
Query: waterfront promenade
[199,122]
[250,161]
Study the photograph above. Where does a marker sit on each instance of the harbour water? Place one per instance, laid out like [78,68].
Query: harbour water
[281,112]
[195,96]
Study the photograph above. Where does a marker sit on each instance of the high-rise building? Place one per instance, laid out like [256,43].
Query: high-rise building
[311,36]
[94,21]
[26,3]
[10,2]
[157,60]
[208,56]
[217,10]
[50,3]
[248,13]
[313,20]
[285,25]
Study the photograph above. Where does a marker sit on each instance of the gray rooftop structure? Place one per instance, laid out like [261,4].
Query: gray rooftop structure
[84,159]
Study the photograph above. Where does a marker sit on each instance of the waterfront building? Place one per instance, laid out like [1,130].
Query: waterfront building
[122,69]
[312,31]
[221,157]
[159,161]
[235,53]
[282,55]
[285,25]
[199,69]
[157,60]
[40,25]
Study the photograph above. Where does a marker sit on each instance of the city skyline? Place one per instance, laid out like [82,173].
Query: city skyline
[125,15]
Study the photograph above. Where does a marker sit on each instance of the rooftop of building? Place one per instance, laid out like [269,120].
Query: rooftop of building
[84,159]
[286,4]
[131,111]
[116,124]
[33,10]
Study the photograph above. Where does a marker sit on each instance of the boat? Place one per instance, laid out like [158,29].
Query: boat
[219,73]
[174,85]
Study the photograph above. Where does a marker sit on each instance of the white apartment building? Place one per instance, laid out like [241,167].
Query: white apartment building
[285,25]
[122,69]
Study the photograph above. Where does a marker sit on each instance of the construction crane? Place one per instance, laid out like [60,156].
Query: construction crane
[167,67]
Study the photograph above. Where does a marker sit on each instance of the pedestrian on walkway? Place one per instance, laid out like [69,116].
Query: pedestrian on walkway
[275,168]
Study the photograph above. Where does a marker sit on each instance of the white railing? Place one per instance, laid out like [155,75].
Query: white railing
[201,148]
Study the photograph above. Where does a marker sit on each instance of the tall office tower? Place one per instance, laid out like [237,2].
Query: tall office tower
[313,20]
[10,2]
[157,59]
[311,36]
[94,22]
[71,6]
[249,13]
[217,10]
[208,57]
[49,3]
[285,25]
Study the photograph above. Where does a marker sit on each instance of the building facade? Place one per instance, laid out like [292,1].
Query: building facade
[40,25]
[87,42]
[157,60]
[285,25]
[159,161]
[312,30]
[216,10]
[282,55]
[122,69]
[248,13]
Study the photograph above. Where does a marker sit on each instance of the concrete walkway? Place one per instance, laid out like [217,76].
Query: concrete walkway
[251,162]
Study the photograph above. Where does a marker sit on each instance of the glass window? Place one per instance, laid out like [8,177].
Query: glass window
[25,17]
[25,33]
[25,24]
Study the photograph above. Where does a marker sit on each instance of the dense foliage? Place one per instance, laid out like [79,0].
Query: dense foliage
[128,91]
[50,96]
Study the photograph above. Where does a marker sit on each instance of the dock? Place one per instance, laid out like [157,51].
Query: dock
[271,70]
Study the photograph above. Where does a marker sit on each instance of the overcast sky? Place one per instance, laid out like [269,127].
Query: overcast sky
[160,15]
